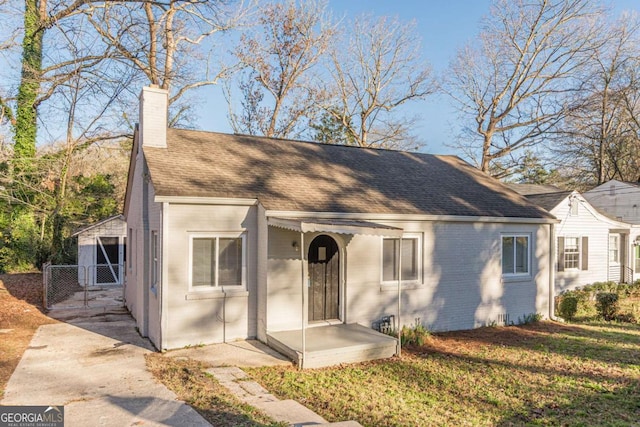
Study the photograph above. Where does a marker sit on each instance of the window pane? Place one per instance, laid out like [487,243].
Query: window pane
[522,254]
[204,262]
[507,255]
[613,248]
[409,259]
[571,252]
[230,262]
[389,259]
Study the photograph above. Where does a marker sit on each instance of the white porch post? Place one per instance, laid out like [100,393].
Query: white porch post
[399,296]
[304,300]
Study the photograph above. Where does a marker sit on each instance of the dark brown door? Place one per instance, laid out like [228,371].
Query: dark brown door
[324,279]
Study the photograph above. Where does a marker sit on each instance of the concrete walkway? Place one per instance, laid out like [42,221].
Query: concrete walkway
[252,393]
[226,359]
[96,369]
[94,366]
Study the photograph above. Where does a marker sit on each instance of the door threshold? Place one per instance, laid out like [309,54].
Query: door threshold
[329,322]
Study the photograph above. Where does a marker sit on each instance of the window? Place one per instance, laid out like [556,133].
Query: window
[614,255]
[636,251]
[410,259]
[571,252]
[130,250]
[217,261]
[573,206]
[155,264]
[515,255]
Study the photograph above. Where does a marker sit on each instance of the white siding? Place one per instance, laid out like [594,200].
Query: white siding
[634,263]
[619,200]
[284,287]
[143,304]
[462,284]
[212,316]
[155,226]
[87,245]
[597,230]
[135,272]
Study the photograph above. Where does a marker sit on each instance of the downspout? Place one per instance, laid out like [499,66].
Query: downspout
[164,276]
[552,272]
[146,279]
[399,297]
[304,302]
[224,295]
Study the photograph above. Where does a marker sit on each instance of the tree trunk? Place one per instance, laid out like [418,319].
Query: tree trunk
[485,163]
[25,126]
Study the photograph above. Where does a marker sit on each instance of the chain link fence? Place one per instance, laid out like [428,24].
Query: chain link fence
[64,283]
[77,286]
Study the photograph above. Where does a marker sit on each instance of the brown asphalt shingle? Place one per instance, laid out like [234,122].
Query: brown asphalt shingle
[548,201]
[287,175]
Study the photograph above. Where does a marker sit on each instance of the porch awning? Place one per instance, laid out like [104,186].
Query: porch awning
[340,226]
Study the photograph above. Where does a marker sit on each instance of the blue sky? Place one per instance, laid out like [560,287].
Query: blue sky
[444,27]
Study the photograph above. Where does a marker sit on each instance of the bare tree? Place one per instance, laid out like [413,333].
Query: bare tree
[602,135]
[375,70]
[170,42]
[514,86]
[277,60]
[8,42]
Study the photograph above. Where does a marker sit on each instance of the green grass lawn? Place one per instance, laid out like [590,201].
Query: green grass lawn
[541,374]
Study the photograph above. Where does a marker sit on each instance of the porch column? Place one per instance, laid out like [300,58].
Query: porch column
[399,296]
[304,301]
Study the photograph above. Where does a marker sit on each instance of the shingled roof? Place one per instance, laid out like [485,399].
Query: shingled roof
[286,175]
[531,189]
[549,201]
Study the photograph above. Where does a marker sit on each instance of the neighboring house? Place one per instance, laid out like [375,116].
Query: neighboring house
[590,246]
[617,199]
[101,252]
[235,237]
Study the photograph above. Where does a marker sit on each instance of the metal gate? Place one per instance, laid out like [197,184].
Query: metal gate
[68,286]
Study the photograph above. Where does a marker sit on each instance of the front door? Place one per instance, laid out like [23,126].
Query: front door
[324,279]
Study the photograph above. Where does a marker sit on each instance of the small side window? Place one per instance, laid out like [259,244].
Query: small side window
[515,255]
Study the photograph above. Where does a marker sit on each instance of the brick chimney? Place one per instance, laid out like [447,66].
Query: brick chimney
[153,117]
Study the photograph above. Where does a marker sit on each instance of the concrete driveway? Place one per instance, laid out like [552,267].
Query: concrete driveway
[95,367]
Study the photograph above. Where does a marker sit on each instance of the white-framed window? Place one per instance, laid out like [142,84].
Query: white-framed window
[155,261]
[571,252]
[614,248]
[516,254]
[217,260]
[411,258]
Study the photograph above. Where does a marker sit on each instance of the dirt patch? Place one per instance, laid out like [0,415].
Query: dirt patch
[475,339]
[21,313]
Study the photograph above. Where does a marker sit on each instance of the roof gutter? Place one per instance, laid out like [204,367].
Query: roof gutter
[409,217]
[191,200]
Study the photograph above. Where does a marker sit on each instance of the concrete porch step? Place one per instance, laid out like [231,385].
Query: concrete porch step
[333,344]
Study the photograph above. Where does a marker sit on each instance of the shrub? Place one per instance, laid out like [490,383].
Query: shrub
[568,307]
[607,305]
[530,318]
[626,318]
[415,335]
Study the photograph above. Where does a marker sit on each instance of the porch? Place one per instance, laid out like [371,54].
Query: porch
[333,344]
